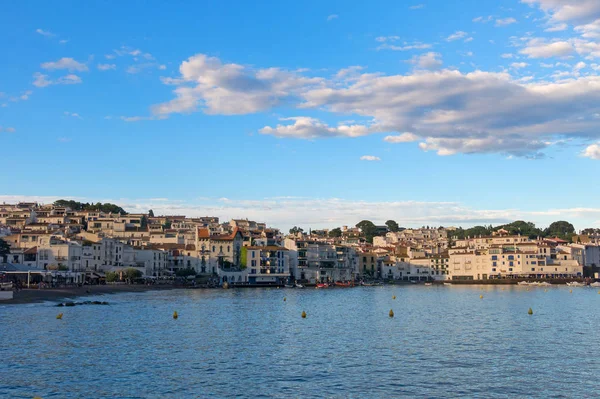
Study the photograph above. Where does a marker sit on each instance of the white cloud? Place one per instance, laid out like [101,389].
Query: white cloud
[110,56]
[65,63]
[416,7]
[7,129]
[63,139]
[457,36]
[519,65]
[483,20]
[576,11]
[231,88]
[429,60]
[451,111]
[507,55]
[382,39]
[370,158]
[310,128]
[505,21]
[405,46]
[106,67]
[162,67]
[539,48]
[589,31]
[136,118]
[332,17]
[557,27]
[42,80]
[405,137]
[592,151]
[63,41]
[72,114]
[44,32]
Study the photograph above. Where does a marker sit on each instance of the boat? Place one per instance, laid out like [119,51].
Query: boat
[346,284]
[322,285]
[366,284]
[523,283]
[596,284]
[299,285]
[289,285]
[447,283]
[427,284]
[575,284]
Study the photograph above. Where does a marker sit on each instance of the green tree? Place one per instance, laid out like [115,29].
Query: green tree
[335,233]
[392,226]
[243,258]
[111,277]
[368,229]
[151,213]
[296,230]
[4,250]
[561,229]
[189,271]
[144,222]
[131,273]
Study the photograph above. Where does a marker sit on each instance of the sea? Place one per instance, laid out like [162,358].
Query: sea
[442,342]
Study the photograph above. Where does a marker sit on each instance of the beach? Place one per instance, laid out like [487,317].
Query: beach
[57,294]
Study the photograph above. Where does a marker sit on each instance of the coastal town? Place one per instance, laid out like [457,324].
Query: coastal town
[73,243]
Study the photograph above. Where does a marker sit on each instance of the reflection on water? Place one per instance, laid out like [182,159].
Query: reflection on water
[442,342]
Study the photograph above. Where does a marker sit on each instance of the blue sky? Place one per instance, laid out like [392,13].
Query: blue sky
[311,113]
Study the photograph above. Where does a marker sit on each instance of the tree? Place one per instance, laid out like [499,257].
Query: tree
[335,233]
[392,226]
[111,277]
[296,230]
[99,206]
[368,229]
[144,222]
[561,229]
[189,271]
[151,213]
[131,273]
[4,250]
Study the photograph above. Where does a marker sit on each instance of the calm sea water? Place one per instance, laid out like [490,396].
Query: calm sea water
[442,342]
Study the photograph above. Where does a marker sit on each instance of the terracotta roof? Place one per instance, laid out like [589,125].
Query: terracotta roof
[203,233]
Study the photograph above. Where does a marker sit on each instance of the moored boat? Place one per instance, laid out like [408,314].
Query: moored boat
[322,285]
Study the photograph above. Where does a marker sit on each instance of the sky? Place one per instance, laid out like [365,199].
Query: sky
[313,113]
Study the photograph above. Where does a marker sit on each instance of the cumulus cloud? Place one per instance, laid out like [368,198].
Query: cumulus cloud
[41,80]
[106,67]
[65,63]
[542,48]
[231,88]
[370,158]
[450,111]
[406,137]
[310,128]
[505,21]
[406,46]
[483,20]
[575,11]
[457,36]
[592,151]
[7,129]
[519,65]
[429,60]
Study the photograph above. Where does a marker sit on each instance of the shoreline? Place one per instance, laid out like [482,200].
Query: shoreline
[59,294]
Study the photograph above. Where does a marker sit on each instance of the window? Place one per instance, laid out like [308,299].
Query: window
[214,248]
[494,264]
[533,262]
[494,257]
[228,248]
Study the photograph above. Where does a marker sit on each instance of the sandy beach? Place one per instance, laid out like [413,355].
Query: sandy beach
[58,294]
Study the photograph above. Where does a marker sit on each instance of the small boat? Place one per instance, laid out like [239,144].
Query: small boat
[427,284]
[523,283]
[322,285]
[367,284]
[340,284]
[596,284]
[575,284]
[447,284]
[299,285]
[289,285]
